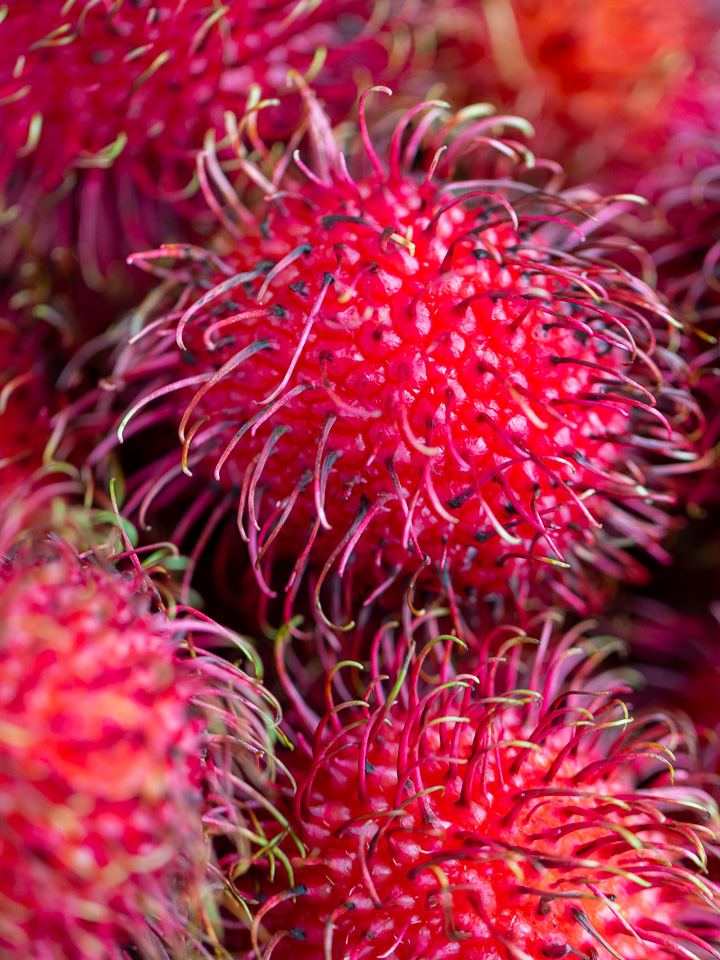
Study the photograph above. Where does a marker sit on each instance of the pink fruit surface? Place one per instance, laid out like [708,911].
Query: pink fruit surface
[437,378]
[515,811]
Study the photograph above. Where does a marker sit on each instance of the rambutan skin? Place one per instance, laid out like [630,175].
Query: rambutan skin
[103,106]
[513,811]
[100,758]
[426,371]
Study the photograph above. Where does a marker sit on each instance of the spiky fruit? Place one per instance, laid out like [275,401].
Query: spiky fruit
[114,743]
[514,811]
[598,79]
[428,373]
[104,104]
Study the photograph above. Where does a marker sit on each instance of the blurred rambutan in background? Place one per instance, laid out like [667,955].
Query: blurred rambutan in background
[514,810]
[684,236]
[103,106]
[118,736]
[686,197]
[40,388]
[598,80]
[429,378]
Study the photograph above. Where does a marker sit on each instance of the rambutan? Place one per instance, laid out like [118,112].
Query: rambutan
[599,79]
[448,380]
[117,737]
[516,810]
[103,106]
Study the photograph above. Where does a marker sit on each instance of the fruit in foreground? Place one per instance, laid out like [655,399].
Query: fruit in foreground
[511,812]
[114,744]
[407,375]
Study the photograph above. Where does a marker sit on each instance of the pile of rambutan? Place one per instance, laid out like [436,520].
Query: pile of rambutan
[359,445]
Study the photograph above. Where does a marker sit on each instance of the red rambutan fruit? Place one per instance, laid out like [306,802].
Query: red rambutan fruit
[599,79]
[104,104]
[117,738]
[425,372]
[515,811]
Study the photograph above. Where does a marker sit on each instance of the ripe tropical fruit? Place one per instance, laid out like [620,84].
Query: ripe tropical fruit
[600,80]
[103,106]
[120,740]
[516,810]
[413,374]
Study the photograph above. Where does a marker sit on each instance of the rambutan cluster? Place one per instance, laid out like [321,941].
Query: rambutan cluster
[516,810]
[406,372]
[401,403]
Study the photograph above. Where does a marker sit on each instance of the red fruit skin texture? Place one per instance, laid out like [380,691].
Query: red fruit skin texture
[599,81]
[103,106]
[422,373]
[465,817]
[100,824]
